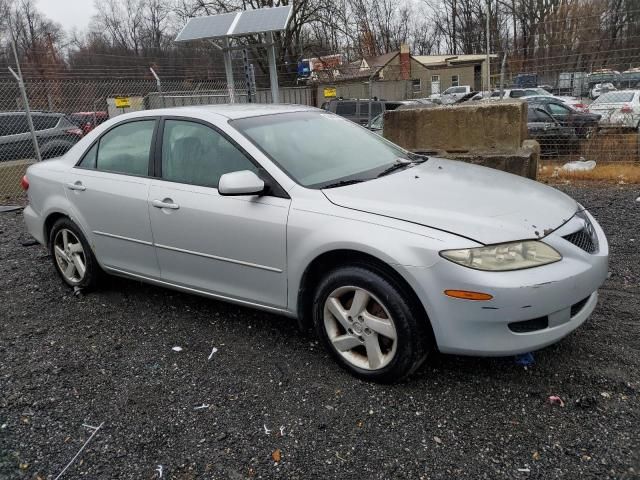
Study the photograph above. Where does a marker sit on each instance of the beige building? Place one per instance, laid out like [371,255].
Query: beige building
[401,76]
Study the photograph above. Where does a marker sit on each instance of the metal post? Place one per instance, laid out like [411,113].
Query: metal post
[273,71]
[25,101]
[228,68]
[252,79]
[370,97]
[502,68]
[247,74]
[159,84]
[488,46]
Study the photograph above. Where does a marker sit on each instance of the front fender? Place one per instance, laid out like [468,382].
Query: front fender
[396,243]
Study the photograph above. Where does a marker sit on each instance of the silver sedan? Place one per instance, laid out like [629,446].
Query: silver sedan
[293,210]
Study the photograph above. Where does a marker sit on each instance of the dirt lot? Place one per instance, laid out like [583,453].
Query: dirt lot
[106,358]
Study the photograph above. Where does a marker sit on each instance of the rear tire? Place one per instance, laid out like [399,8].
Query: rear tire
[367,323]
[72,256]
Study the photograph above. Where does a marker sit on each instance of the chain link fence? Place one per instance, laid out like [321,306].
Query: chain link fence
[61,112]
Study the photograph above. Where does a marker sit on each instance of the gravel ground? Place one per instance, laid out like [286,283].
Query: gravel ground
[106,359]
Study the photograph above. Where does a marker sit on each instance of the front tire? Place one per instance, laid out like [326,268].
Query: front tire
[366,321]
[72,256]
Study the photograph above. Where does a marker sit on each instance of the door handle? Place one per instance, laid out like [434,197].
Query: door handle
[76,186]
[166,203]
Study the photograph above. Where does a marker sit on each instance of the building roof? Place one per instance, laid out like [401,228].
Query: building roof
[435,60]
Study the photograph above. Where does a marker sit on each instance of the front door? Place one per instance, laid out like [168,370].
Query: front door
[109,190]
[234,247]
[435,84]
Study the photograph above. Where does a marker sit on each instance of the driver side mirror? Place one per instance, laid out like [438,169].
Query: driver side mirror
[243,182]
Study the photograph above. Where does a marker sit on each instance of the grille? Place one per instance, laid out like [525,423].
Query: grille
[583,240]
[576,307]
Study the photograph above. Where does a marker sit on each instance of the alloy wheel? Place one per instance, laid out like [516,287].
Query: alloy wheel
[360,328]
[70,256]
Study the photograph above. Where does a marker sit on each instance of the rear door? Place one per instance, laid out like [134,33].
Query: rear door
[109,189]
[234,247]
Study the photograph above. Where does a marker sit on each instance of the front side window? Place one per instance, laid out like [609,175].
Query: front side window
[196,154]
[557,109]
[126,148]
[319,149]
[346,108]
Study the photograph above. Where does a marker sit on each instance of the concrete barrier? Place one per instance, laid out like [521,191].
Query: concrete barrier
[490,134]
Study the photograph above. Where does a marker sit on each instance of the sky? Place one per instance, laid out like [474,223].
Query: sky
[70,13]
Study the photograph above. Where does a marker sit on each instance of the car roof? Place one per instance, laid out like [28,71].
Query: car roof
[33,112]
[230,111]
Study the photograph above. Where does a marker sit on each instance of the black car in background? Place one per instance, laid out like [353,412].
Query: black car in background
[357,110]
[55,133]
[566,115]
[554,139]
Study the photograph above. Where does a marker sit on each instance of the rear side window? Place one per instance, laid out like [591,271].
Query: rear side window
[89,159]
[44,122]
[14,124]
[126,148]
[346,108]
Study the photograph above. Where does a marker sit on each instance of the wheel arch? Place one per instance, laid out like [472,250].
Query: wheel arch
[332,259]
[50,220]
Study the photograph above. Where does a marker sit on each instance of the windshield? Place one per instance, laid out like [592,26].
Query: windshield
[318,149]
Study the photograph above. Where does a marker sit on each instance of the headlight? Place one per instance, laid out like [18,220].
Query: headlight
[505,256]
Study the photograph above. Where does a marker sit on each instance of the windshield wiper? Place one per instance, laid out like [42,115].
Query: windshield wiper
[343,183]
[399,164]
[417,157]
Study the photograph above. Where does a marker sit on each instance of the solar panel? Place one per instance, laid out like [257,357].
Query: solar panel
[214,26]
[262,20]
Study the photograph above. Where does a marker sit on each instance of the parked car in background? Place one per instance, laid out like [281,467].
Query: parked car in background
[377,124]
[453,94]
[567,116]
[56,134]
[87,121]
[577,103]
[600,88]
[387,254]
[630,78]
[618,109]
[520,92]
[554,139]
[357,110]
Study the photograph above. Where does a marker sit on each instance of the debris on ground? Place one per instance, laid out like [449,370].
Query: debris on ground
[276,455]
[214,350]
[266,430]
[95,430]
[159,469]
[438,440]
[77,291]
[525,359]
[29,242]
[581,165]
[555,400]
[9,208]
[177,349]
[202,407]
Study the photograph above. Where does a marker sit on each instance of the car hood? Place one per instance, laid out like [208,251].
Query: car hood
[479,203]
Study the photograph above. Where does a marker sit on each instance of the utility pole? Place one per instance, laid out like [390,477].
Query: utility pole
[488,35]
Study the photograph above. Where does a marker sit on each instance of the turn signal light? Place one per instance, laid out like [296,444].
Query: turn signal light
[626,109]
[24,183]
[466,295]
